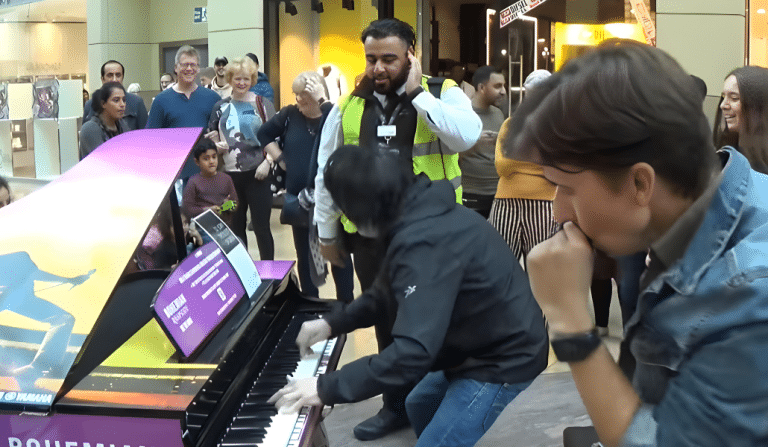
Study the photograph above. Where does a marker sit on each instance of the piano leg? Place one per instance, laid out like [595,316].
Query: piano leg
[320,437]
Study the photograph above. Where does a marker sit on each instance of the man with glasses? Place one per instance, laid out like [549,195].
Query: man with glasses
[184,104]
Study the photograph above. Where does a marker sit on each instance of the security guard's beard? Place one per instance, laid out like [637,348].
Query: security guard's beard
[394,83]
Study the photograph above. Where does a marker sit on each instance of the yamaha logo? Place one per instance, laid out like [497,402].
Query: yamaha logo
[10,396]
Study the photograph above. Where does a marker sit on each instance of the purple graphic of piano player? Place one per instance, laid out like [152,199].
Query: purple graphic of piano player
[17,294]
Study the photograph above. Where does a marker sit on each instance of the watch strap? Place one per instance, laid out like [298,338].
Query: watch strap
[575,347]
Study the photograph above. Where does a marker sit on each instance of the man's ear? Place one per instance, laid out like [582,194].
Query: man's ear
[643,178]
[411,50]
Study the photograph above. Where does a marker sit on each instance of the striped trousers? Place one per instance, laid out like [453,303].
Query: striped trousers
[523,223]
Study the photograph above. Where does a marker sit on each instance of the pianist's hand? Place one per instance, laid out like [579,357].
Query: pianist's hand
[297,394]
[311,332]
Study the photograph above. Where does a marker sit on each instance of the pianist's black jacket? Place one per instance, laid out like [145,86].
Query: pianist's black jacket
[456,296]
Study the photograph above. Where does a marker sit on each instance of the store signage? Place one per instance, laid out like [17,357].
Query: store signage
[644,18]
[515,10]
[201,14]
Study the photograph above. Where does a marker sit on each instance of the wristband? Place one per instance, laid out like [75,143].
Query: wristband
[575,347]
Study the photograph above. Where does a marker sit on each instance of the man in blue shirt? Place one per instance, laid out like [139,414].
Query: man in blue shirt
[621,133]
[135,111]
[185,104]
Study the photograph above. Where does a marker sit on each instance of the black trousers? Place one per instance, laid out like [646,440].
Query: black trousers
[342,276]
[257,196]
[368,255]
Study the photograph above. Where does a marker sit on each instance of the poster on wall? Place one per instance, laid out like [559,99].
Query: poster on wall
[45,97]
[4,101]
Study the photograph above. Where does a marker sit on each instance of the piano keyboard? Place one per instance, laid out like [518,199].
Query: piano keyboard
[258,423]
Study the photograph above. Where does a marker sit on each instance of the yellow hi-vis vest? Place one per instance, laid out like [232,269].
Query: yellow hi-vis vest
[429,155]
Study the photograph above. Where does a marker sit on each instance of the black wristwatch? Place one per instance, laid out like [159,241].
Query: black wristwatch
[575,347]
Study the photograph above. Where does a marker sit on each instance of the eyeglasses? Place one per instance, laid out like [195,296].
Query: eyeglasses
[189,65]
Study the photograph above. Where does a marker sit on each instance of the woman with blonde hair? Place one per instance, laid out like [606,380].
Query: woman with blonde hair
[234,124]
[292,137]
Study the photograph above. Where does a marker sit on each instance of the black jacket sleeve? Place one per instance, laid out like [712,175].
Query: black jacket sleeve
[425,294]
[141,114]
[213,122]
[365,311]
[274,127]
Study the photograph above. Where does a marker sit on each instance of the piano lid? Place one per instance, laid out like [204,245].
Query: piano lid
[63,249]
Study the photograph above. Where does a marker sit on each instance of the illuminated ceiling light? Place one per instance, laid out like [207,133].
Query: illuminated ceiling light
[761,11]
[503,52]
[542,40]
[290,8]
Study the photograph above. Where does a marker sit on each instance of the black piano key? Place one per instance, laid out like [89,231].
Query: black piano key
[252,417]
[243,432]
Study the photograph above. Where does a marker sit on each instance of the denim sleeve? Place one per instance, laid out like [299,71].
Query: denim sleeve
[720,396]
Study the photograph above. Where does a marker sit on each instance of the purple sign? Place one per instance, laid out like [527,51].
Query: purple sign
[197,296]
[66,430]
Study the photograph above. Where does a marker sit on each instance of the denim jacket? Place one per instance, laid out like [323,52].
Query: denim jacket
[699,333]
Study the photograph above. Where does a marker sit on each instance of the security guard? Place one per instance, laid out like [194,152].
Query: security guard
[392,109]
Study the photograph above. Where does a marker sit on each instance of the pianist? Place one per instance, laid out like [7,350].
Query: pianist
[465,325]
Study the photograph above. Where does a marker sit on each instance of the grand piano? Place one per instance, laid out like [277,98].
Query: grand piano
[84,359]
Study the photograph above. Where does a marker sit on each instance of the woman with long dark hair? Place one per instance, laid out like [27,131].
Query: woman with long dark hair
[742,118]
[107,121]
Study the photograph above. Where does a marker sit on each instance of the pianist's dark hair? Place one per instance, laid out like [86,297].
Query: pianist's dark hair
[102,95]
[368,185]
[202,146]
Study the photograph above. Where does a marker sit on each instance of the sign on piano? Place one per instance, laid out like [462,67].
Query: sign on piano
[200,293]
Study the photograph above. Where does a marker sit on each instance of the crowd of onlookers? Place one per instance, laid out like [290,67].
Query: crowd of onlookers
[598,163]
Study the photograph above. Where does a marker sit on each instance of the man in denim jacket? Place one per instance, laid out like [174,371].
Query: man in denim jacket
[621,133]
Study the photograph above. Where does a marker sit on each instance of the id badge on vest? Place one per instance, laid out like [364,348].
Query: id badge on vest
[386,131]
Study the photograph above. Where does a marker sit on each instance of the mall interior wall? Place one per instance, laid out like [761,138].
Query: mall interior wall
[32,49]
[707,37]
[131,31]
[236,27]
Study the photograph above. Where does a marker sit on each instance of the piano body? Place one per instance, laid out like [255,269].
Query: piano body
[84,361]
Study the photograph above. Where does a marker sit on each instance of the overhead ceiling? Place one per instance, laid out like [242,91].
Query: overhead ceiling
[46,11]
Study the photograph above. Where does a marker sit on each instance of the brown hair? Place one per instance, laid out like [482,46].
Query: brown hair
[752,140]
